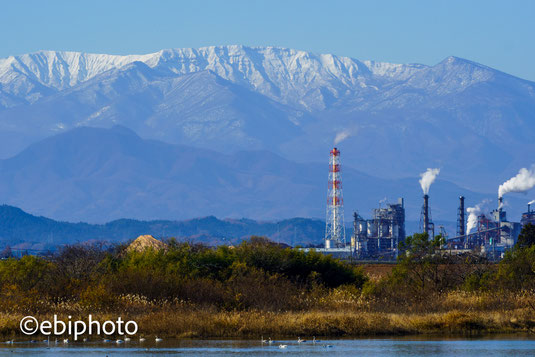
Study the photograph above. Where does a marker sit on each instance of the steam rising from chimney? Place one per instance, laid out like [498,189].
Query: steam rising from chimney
[522,182]
[532,202]
[427,179]
[473,213]
[341,136]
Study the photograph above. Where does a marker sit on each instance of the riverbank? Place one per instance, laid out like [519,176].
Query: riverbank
[252,324]
[336,324]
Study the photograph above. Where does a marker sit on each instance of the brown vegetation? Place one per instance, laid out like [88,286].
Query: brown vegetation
[259,288]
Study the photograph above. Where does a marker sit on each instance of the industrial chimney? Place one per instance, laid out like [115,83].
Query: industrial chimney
[426,224]
[335,234]
[426,213]
[461,221]
[501,213]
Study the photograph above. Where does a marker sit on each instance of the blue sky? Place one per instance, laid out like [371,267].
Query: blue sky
[500,34]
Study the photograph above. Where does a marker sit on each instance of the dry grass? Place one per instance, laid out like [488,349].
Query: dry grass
[184,323]
[253,324]
[341,312]
[376,272]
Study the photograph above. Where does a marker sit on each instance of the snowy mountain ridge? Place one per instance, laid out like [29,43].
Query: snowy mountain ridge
[473,121]
[285,75]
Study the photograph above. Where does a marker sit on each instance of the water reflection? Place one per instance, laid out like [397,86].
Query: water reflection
[495,346]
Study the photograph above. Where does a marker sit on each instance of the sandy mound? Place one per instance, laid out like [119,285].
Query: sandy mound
[144,242]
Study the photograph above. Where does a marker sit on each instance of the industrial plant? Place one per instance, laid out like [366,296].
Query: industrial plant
[380,238]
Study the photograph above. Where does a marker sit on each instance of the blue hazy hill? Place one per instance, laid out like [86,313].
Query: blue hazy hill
[98,175]
[23,231]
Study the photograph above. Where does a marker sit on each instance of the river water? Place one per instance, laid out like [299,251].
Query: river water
[496,346]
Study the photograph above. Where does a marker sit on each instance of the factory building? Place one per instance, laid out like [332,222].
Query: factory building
[381,235]
[493,235]
[528,217]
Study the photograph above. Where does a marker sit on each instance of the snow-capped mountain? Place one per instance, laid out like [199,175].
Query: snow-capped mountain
[475,122]
[286,75]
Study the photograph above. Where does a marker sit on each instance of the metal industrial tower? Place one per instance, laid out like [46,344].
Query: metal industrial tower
[335,232]
[461,220]
[426,223]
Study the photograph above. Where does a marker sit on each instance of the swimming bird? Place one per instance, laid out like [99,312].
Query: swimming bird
[299,340]
[157,339]
[127,339]
[283,346]
[314,340]
[262,340]
[105,340]
[10,341]
[65,340]
[328,346]
[270,341]
[119,341]
[141,339]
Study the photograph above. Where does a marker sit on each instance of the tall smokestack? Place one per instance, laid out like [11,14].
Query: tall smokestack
[461,223]
[426,213]
[529,205]
[335,233]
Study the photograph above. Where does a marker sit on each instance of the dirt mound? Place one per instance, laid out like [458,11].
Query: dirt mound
[144,242]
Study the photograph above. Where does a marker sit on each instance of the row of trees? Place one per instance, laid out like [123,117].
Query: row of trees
[257,274]
[425,271]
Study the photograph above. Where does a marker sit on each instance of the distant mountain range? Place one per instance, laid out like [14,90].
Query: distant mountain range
[22,231]
[26,233]
[97,175]
[474,122]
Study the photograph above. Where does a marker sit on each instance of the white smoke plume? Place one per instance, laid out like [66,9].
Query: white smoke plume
[473,213]
[341,136]
[532,202]
[522,182]
[427,179]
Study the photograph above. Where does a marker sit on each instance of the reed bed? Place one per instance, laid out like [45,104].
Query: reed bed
[457,313]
